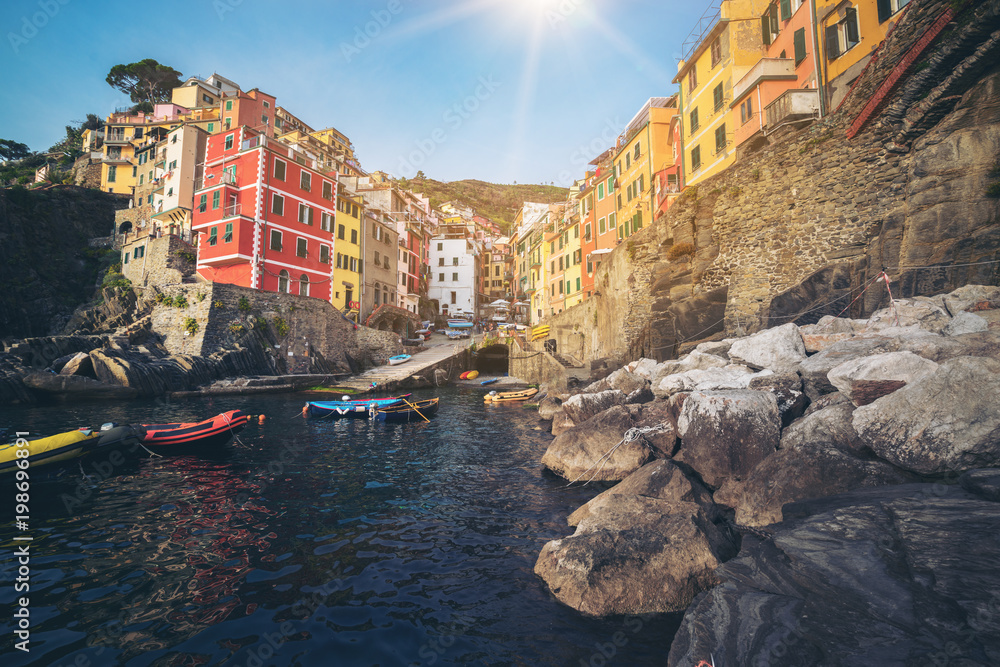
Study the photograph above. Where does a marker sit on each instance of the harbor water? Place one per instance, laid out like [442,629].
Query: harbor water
[305,542]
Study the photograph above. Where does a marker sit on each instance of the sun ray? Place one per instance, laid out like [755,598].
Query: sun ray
[525,96]
[624,45]
[441,18]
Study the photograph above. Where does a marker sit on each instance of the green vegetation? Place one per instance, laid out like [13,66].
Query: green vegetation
[281,326]
[186,255]
[145,80]
[244,305]
[236,329]
[500,203]
[200,297]
[180,301]
[679,250]
[115,279]
[191,325]
[218,305]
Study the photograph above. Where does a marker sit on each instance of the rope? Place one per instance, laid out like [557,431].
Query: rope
[892,301]
[865,289]
[631,435]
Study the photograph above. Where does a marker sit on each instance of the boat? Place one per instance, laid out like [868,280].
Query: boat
[508,396]
[215,431]
[68,446]
[407,412]
[490,381]
[460,324]
[454,335]
[349,407]
[398,359]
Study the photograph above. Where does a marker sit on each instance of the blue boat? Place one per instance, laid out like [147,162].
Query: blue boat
[405,412]
[350,408]
[460,324]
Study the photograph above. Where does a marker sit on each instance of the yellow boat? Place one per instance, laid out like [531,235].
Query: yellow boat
[53,449]
[537,333]
[507,396]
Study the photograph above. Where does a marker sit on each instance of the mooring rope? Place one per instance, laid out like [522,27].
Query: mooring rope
[631,435]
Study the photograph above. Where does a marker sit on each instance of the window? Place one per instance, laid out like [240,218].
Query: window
[302,248]
[561,286]
[215,199]
[628,160]
[453,296]
[786,9]
[303,285]
[229,123]
[277,204]
[560,263]
[799,40]
[454,261]
[746,110]
[263,119]
[440,247]
[720,138]
[696,158]
[170,192]
[213,236]
[275,240]
[636,156]
[203,203]
[267,104]
[173,164]
[441,277]
[717,96]
[229,140]
[341,230]
[611,220]
[229,105]
[716,51]
[610,184]
[125,257]
[600,191]
[326,221]
[440,261]
[842,36]
[378,260]
[328,190]
[211,128]
[354,264]
[641,182]
[324,254]
[112,173]
[354,236]
[306,214]
[887,8]
[228,238]
[693,120]
[454,277]
[279,170]
[305,180]
[139,252]
[769,24]
[692,78]
[140,178]
[601,226]
[283,281]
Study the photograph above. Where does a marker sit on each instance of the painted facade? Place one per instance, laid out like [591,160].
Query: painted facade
[643,148]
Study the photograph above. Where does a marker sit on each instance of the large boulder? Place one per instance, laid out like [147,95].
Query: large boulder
[923,313]
[548,407]
[869,378]
[78,364]
[829,425]
[657,422]
[815,369]
[693,361]
[733,376]
[964,323]
[780,349]
[662,480]
[77,387]
[949,421]
[787,390]
[639,555]
[726,434]
[582,407]
[968,296]
[560,422]
[582,452]
[625,381]
[902,575]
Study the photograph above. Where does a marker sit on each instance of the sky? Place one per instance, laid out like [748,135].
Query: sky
[504,91]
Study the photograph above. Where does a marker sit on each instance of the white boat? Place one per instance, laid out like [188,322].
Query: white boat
[398,359]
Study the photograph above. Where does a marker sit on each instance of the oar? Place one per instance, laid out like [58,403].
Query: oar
[416,410]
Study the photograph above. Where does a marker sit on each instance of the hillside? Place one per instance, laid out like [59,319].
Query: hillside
[499,203]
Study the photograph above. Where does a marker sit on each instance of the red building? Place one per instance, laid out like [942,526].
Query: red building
[264,216]
[669,181]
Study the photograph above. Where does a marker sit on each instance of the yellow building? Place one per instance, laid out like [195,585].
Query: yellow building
[730,46]
[643,149]
[573,257]
[124,133]
[849,32]
[346,288]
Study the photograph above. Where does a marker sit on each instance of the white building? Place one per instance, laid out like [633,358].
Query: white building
[178,162]
[454,264]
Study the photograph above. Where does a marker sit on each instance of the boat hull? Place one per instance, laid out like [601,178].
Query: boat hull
[354,408]
[510,396]
[183,436]
[403,413]
[68,446]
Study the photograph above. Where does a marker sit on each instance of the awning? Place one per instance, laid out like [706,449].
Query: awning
[600,251]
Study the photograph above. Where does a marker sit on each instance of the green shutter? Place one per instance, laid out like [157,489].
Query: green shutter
[786,9]
[884,10]
[215,199]
[774,20]
[799,39]
[765,29]
[832,43]
[852,26]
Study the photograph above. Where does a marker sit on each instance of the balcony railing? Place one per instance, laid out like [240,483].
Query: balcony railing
[766,69]
[794,104]
[117,138]
[231,211]
[116,159]
[225,178]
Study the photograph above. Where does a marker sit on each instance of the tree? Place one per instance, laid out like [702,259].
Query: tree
[420,175]
[12,150]
[144,81]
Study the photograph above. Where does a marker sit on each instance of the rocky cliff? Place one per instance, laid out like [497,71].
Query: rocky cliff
[806,227]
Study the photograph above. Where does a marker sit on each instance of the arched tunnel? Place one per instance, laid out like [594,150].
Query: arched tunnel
[492,360]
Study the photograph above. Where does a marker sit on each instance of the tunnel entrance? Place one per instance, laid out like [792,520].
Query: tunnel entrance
[492,360]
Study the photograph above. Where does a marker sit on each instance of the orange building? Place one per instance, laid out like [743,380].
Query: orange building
[782,89]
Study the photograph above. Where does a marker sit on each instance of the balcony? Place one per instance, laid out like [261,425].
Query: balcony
[792,105]
[231,210]
[224,178]
[767,69]
[116,159]
[117,138]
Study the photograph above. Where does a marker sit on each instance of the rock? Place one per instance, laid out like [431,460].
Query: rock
[942,348]
[579,452]
[829,426]
[77,387]
[658,420]
[910,312]
[827,400]
[582,407]
[641,395]
[983,482]
[715,348]
[560,422]
[830,325]
[968,296]
[949,421]
[787,390]
[694,361]
[646,555]
[662,480]
[727,433]
[964,323]
[885,576]
[78,364]
[548,407]
[779,349]
[730,377]
[644,368]
[818,342]
[625,382]
[814,370]
[869,378]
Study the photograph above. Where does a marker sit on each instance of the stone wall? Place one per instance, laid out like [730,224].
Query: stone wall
[87,172]
[534,365]
[167,260]
[800,229]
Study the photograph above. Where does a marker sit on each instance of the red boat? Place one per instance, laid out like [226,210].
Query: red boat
[215,431]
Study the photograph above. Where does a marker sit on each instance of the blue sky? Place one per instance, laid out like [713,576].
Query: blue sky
[499,90]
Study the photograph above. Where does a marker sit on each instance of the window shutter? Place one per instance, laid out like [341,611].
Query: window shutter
[884,10]
[786,9]
[832,43]
[765,29]
[774,20]
[799,40]
[852,25]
